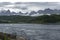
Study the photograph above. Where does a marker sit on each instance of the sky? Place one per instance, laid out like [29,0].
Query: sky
[28,6]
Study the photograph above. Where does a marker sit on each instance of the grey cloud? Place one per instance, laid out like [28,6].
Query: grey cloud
[46,4]
[17,7]
[43,3]
[18,3]
[29,4]
[5,3]
[39,3]
[2,4]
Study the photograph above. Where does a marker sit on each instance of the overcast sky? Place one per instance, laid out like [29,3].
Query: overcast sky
[28,6]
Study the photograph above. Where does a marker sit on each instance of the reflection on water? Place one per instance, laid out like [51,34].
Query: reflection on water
[33,31]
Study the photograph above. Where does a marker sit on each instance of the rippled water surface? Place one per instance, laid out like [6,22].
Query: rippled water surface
[34,31]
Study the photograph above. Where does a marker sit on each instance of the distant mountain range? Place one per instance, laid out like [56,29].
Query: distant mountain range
[47,11]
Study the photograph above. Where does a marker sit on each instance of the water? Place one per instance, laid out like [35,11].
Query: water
[33,31]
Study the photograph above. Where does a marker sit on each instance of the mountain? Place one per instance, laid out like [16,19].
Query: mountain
[32,13]
[47,11]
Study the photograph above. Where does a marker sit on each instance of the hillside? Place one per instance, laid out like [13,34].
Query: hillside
[29,19]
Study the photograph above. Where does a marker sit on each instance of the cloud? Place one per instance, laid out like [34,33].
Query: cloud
[30,6]
[2,4]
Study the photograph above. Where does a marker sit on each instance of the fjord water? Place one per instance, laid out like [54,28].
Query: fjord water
[34,31]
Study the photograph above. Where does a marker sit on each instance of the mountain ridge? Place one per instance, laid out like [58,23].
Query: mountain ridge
[46,11]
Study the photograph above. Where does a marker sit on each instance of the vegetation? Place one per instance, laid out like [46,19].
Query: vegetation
[28,19]
[6,36]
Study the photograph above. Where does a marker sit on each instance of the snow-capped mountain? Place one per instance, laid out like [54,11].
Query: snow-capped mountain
[32,13]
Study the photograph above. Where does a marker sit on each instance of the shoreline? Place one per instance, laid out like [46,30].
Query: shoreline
[34,23]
